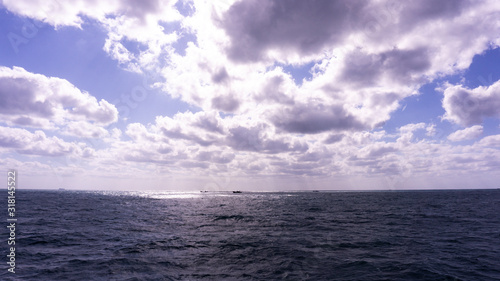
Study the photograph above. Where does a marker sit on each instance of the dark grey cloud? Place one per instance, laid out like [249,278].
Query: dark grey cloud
[414,12]
[225,103]
[362,69]
[254,139]
[365,69]
[389,20]
[333,138]
[25,97]
[140,8]
[383,99]
[164,150]
[194,164]
[209,122]
[402,63]
[26,121]
[469,107]
[17,96]
[316,156]
[272,92]
[306,27]
[220,76]
[381,151]
[357,161]
[215,157]
[178,134]
[315,118]
[464,160]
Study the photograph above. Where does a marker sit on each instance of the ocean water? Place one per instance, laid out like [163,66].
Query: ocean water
[402,235]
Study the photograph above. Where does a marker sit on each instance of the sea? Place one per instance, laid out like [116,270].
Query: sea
[325,235]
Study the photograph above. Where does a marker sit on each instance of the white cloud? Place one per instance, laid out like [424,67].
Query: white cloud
[37,143]
[431,130]
[407,132]
[368,57]
[492,141]
[132,20]
[34,100]
[85,130]
[467,133]
[61,13]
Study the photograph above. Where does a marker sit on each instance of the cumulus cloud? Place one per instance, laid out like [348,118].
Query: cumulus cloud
[466,134]
[470,106]
[398,65]
[414,12]
[85,130]
[492,141]
[406,132]
[219,157]
[186,126]
[259,139]
[225,103]
[140,22]
[362,74]
[333,138]
[60,13]
[35,100]
[305,28]
[37,143]
[315,118]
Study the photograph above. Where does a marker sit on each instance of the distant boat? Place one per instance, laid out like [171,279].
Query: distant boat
[236,191]
[62,189]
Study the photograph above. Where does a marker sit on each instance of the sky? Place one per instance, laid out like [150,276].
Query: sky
[260,95]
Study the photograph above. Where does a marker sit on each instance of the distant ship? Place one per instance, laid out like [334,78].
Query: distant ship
[236,191]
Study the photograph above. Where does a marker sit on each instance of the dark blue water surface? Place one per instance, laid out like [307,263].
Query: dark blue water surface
[410,235]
